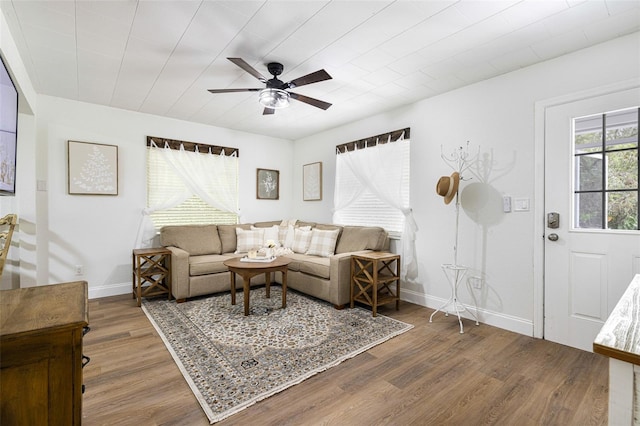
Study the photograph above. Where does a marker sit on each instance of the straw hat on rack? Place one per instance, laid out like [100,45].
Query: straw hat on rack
[447,186]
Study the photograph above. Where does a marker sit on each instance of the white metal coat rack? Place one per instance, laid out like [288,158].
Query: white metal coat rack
[459,160]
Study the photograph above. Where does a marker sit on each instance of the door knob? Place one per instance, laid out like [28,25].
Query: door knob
[553,237]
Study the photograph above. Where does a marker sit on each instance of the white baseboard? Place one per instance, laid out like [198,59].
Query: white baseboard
[110,290]
[496,319]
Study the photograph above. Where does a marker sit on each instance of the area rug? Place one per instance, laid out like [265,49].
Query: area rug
[231,361]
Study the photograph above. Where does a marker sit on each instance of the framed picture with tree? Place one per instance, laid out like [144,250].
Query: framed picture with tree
[267,184]
[92,168]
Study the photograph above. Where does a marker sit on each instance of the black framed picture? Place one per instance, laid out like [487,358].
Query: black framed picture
[8,131]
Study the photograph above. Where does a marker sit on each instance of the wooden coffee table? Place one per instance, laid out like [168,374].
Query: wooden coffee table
[248,270]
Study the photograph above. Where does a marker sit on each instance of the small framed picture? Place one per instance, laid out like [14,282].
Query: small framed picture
[312,182]
[267,184]
[92,168]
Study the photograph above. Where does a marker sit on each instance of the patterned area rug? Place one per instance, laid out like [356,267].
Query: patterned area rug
[232,361]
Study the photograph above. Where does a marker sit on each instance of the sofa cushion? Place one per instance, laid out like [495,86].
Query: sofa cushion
[228,236]
[323,242]
[356,238]
[317,266]
[194,239]
[313,265]
[301,240]
[301,224]
[327,226]
[268,224]
[207,264]
[249,239]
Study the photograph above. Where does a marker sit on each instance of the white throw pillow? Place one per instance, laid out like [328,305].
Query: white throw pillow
[269,234]
[323,242]
[287,234]
[283,232]
[248,239]
[301,240]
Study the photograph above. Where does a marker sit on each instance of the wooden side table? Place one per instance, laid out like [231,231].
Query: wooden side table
[151,273]
[371,276]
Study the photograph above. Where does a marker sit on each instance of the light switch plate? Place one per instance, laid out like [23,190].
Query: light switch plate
[506,204]
[521,204]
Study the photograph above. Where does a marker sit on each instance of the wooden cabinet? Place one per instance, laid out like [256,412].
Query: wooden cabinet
[41,332]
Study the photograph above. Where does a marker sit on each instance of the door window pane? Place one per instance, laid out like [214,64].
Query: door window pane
[588,134]
[622,130]
[589,210]
[622,210]
[589,172]
[622,170]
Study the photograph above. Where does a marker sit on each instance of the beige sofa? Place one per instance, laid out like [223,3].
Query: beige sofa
[198,253]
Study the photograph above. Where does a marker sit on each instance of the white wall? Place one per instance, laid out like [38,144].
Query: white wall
[497,117]
[98,232]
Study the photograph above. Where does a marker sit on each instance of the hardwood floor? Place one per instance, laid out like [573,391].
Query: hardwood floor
[431,375]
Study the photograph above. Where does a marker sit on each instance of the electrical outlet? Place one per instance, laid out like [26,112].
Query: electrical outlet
[79,270]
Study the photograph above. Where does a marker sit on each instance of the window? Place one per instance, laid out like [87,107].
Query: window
[370,194]
[606,171]
[165,186]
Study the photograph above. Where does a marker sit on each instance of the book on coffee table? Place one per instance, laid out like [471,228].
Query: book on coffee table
[258,259]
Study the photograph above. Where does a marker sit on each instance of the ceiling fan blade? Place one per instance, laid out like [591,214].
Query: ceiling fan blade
[311,101]
[248,68]
[314,77]
[268,111]
[232,90]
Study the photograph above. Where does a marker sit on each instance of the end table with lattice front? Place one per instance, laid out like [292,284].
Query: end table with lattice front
[151,273]
[375,279]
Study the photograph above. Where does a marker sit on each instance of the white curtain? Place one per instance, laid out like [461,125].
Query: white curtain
[370,167]
[209,176]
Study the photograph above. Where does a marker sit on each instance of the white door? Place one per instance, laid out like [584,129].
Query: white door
[586,269]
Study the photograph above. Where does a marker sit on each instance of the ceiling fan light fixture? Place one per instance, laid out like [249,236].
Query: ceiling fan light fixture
[274,98]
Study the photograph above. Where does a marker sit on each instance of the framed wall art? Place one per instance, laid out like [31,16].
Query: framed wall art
[8,132]
[93,168]
[267,184]
[312,182]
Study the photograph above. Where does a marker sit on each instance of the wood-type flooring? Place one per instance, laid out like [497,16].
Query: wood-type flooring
[431,375]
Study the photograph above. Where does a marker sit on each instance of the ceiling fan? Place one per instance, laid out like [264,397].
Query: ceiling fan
[276,95]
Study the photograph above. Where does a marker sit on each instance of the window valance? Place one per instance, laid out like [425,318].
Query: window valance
[394,136]
[192,146]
